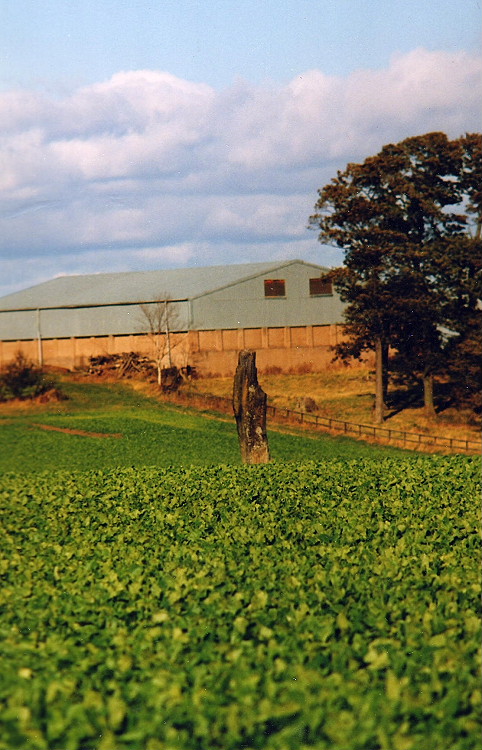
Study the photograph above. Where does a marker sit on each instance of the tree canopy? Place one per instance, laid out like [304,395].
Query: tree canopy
[409,220]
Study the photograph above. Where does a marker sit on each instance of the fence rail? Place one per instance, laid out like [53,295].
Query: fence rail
[413,440]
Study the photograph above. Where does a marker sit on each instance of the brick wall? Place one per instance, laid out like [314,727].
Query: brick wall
[300,348]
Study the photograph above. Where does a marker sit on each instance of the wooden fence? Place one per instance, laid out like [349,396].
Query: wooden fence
[412,440]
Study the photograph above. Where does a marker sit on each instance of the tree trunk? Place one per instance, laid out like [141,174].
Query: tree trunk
[249,406]
[379,413]
[428,402]
[385,373]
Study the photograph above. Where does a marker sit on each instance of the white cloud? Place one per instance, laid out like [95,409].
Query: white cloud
[146,160]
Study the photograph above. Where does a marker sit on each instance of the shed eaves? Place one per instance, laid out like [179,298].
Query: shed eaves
[133,287]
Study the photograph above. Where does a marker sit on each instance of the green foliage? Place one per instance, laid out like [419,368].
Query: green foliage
[409,221]
[23,379]
[465,365]
[330,605]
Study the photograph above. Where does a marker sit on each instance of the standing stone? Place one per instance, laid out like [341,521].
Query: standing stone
[249,405]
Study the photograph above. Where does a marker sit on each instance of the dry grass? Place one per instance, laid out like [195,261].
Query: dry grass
[348,395]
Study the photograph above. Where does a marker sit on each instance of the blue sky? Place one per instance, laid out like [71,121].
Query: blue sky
[71,42]
[155,134]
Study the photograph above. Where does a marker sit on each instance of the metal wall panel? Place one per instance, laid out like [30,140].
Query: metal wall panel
[238,302]
[16,326]
[244,305]
[79,322]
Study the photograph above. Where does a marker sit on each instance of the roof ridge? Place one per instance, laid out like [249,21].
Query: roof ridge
[270,266]
[122,287]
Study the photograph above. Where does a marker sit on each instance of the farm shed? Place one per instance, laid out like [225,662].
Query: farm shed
[283,310]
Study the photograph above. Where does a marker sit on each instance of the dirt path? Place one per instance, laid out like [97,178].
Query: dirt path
[70,431]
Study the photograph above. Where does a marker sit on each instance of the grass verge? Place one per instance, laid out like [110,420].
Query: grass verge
[153,434]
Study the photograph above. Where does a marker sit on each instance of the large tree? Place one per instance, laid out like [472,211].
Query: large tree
[464,365]
[398,217]
[471,179]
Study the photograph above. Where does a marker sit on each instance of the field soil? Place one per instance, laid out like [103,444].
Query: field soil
[70,431]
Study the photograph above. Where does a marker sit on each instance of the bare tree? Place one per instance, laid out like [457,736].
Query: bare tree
[159,320]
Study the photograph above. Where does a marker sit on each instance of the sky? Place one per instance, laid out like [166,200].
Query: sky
[141,134]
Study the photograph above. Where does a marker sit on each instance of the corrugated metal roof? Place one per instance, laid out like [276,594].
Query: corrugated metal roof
[136,286]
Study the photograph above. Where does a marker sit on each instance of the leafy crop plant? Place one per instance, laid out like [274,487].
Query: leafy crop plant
[331,605]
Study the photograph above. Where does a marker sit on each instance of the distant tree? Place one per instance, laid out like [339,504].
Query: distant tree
[403,220]
[367,323]
[471,179]
[464,366]
[159,319]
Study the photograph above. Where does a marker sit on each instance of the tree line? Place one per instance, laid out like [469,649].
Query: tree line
[409,220]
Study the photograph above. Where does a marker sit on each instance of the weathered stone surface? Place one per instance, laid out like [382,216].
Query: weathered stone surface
[249,405]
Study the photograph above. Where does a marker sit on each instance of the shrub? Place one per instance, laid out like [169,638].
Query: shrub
[23,379]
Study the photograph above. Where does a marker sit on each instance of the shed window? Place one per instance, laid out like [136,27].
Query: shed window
[274,288]
[319,287]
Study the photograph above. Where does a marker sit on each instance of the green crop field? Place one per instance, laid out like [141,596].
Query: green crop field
[157,595]
[331,605]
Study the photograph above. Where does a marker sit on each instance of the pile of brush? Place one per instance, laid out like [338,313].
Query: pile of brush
[123,365]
